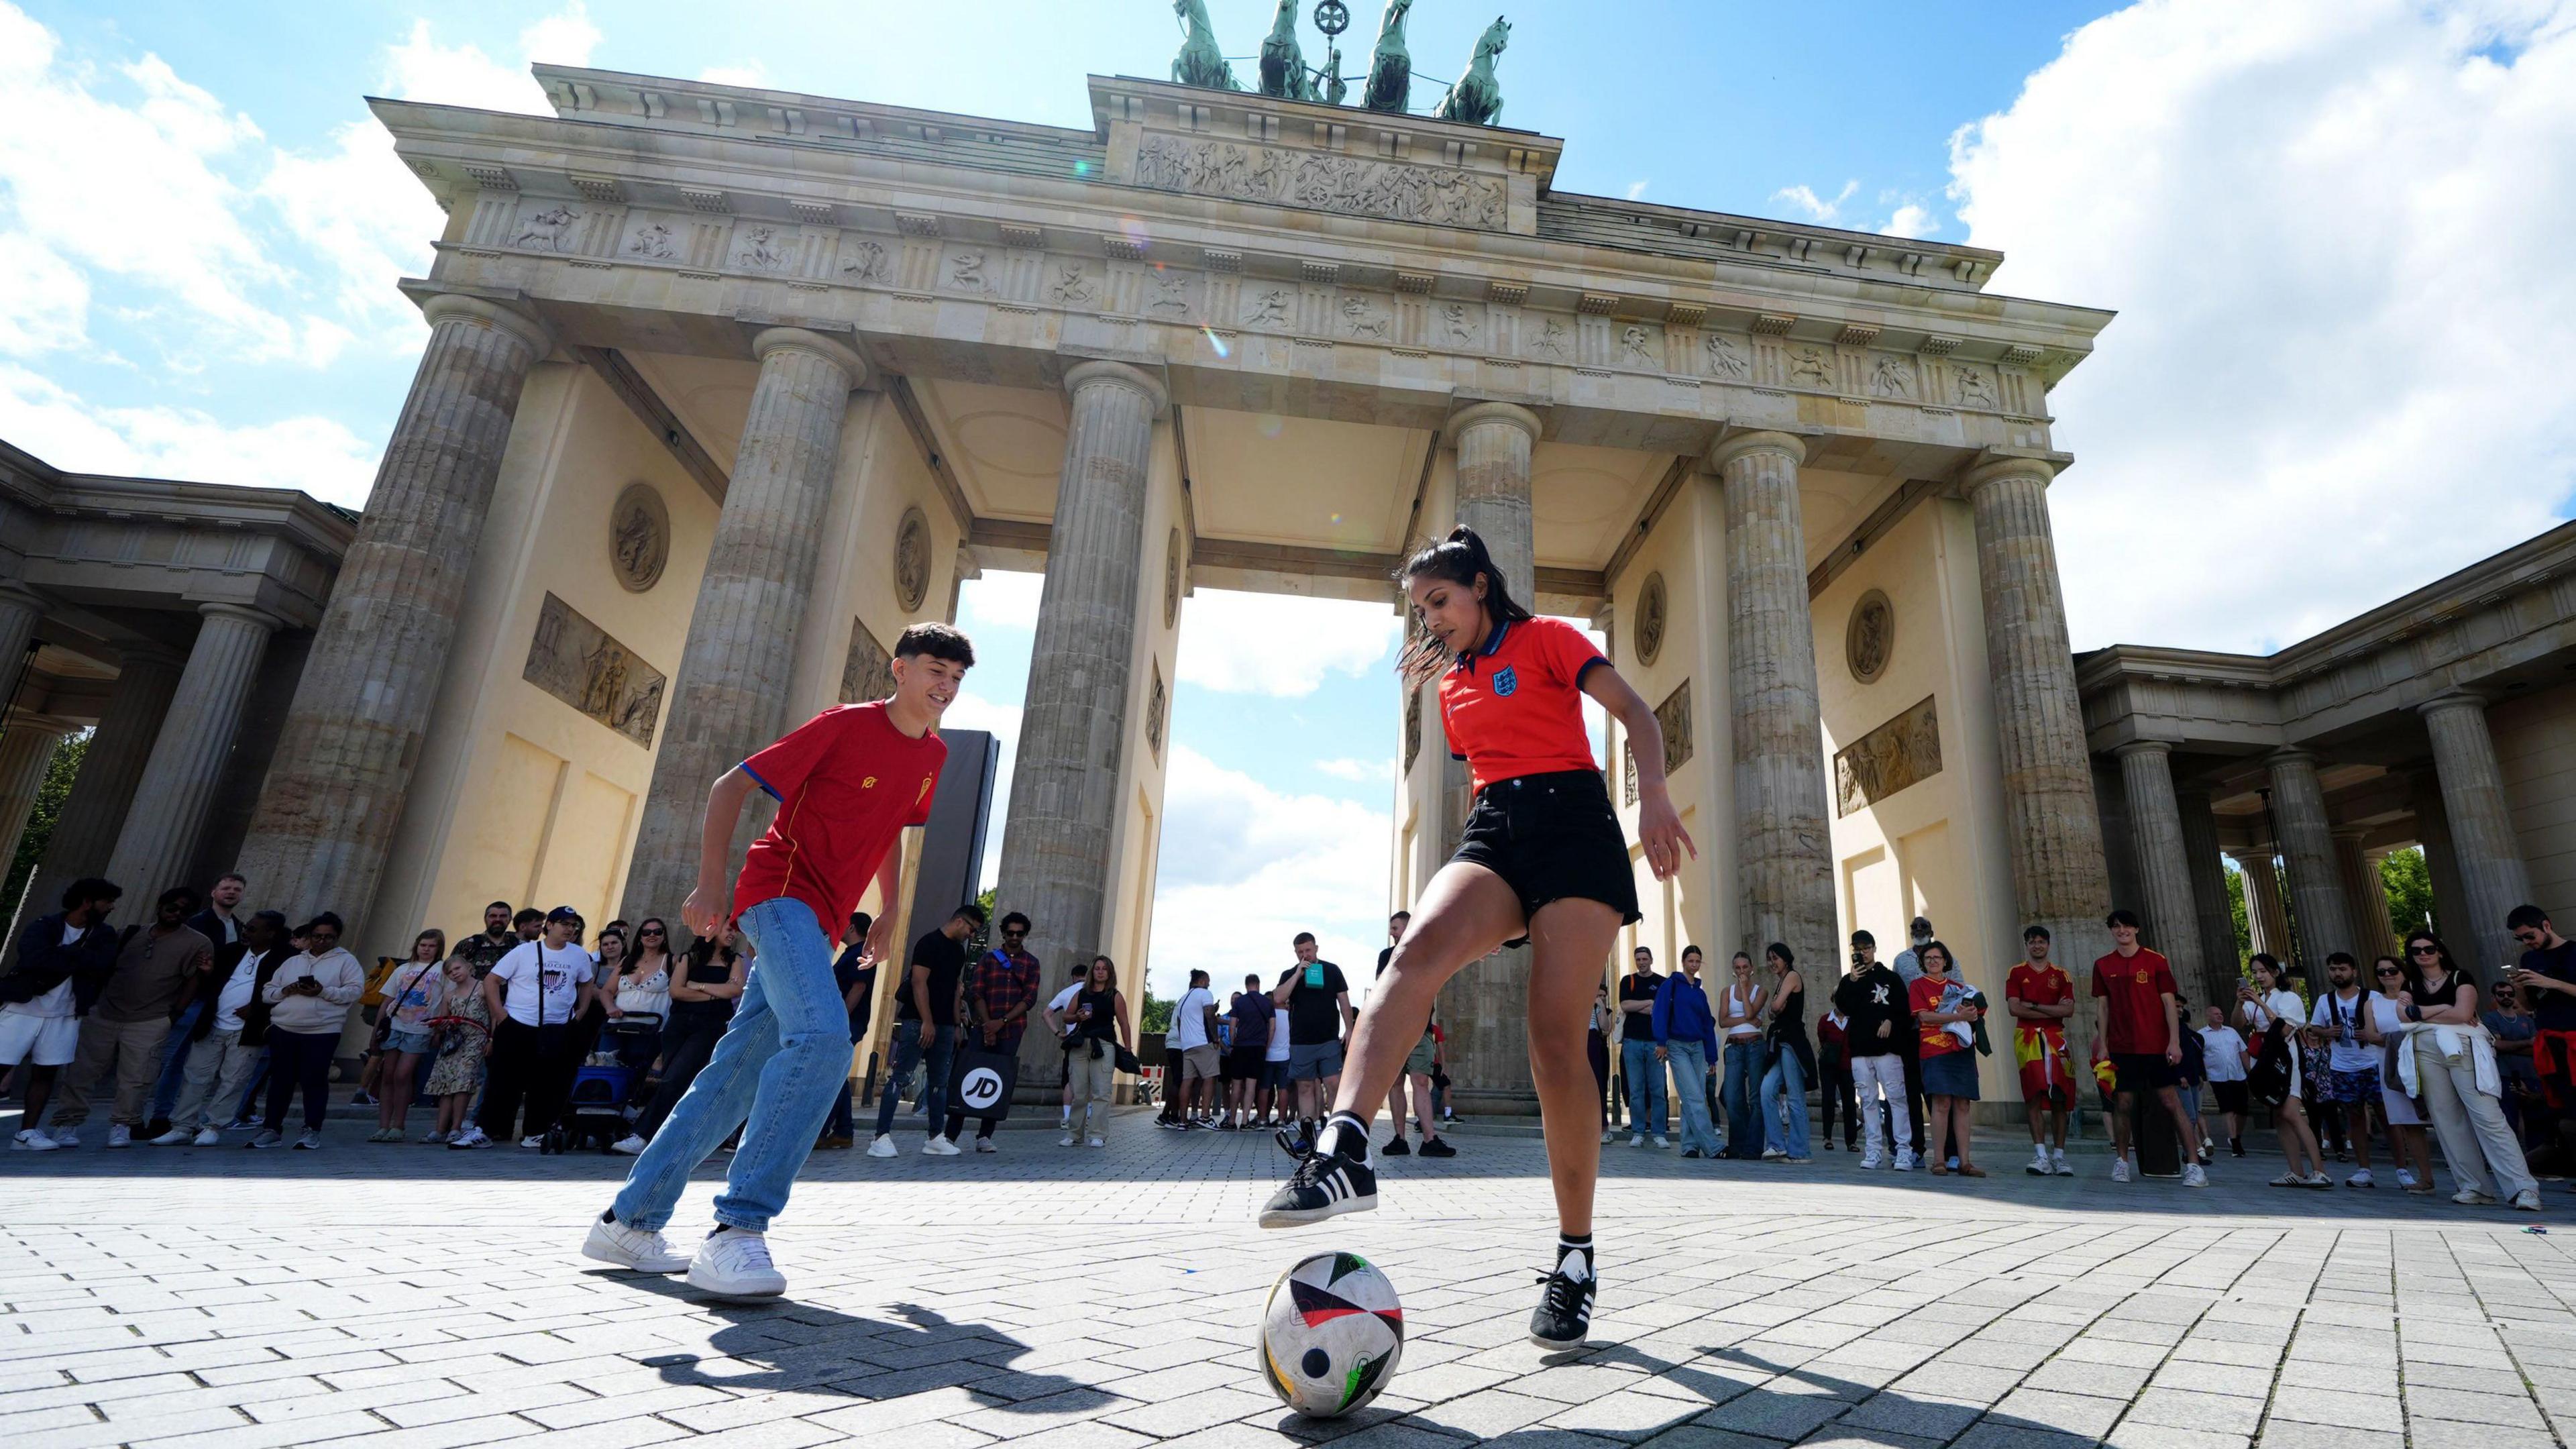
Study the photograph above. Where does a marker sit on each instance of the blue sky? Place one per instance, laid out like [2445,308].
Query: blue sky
[2333,230]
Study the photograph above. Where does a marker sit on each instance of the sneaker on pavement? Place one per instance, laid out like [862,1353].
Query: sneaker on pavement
[2236,1147]
[937,1146]
[436,1139]
[628,1146]
[311,1141]
[831,1142]
[1563,1318]
[2057,1159]
[1660,1140]
[2360,1179]
[119,1135]
[1325,1185]
[175,1137]
[1438,1147]
[2319,1180]
[1094,1141]
[533,1139]
[883,1146]
[2406,1178]
[985,1144]
[1397,1148]
[732,1263]
[1907,1162]
[611,1241]
[1067,1140]
[2195,1175]
[31,1139]
[207,1137]
[2471,1197]
[2038,1165]
[2527,1200]
[2119,1169]
[240,1124]
[1636,1139]
[267,1138]
[64,1136]
[468,1140]
[1774,1154]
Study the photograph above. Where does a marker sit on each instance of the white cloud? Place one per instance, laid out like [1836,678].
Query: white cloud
[1910,220]
[1817,208]
[1238,643]
[315,454]
[421,69]
[1245,867]
[1362,771]
[44,301]
[1636,190]
[2335,234]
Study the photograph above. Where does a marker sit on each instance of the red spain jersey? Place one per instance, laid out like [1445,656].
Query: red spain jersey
[847,782]
[1511,706]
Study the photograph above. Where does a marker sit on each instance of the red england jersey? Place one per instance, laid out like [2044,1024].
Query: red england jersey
[1511,706]
[847,782]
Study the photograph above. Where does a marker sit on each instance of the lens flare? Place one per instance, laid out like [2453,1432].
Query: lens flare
[1222,351]
[1270,425]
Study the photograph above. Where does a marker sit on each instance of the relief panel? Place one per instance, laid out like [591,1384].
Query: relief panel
[1321,181]
[1904,751]
[577,662]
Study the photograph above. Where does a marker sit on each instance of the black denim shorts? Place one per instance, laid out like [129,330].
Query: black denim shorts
[1551,837]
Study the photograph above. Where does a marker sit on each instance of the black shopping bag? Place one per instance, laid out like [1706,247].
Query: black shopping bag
[980,1083]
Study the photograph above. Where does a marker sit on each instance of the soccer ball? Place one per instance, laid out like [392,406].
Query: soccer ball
[1331,1332]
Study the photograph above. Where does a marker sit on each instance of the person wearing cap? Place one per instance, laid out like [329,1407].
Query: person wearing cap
[848,783]
[535,993]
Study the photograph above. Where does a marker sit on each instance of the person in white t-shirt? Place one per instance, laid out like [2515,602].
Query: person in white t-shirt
[2351,1088]
[1056,1007]
[1276,1099]
[2405,1124]
[1194,1031]
[535,993]
[2223,1052]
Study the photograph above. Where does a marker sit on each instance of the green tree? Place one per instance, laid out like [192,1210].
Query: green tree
[1158,1013]
[2408,884]
[2236,913]
[40,821]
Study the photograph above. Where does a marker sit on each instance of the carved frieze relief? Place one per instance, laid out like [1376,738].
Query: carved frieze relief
[868,671]
[1394,191]
[577,662]
[1904,751]
[639,536]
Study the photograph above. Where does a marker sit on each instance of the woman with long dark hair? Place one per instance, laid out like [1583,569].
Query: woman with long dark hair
[2273,1015]
[1542,859]
[2456,1072]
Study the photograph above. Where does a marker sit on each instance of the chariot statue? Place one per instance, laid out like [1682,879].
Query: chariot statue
[1201,62]
[1390,82]
[1476,98]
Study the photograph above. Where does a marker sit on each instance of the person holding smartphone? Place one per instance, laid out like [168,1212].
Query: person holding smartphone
[2546,978]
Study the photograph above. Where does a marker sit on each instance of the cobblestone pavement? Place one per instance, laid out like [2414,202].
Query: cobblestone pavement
[410,1296]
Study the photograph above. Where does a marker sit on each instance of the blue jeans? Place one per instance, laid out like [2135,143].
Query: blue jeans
[1787,1080]
[1645,1085]
[1690,1083]
[908,1054]
[174,1061]
[1743,1122]
[772,1074]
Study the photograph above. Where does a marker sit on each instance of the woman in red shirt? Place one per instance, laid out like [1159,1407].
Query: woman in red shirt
[1542,860]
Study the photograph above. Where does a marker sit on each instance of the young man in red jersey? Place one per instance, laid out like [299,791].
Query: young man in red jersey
[2142,1023]
[2041,997]
[847,782]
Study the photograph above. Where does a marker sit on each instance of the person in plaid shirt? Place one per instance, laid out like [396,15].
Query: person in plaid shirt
[1001,987]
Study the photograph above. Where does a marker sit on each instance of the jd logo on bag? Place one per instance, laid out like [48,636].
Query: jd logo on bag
[983,1081]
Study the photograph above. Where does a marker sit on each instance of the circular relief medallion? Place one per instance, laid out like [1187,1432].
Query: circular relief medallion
[1650,619]
[912,560]
[1172,580]
[639,536]
[1870,638]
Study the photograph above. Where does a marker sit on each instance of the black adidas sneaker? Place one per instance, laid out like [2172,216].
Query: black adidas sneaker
[1563,1318]
[1325,1185]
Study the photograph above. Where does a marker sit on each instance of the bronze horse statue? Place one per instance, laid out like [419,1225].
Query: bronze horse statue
[1476,98]
[1201,62]
[1390,81]
[1283,60]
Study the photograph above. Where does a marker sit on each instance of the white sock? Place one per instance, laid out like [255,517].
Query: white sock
[1574,1257]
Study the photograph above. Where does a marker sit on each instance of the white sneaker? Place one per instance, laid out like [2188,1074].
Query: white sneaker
[1870,1163]
[1661,1142]
[2057,1159]
[732,1263]
[2528,1200]
[2406,1178]
[119,1135]
[611,1241]
[1636,1139]
[175,1137]
[2119,1169]
[883,1146]
[1094,1142]
[2361,1179]
[2471,1197]
[1774,1154]
[628,1146]
[64,1136]
[2319,1179]
[468,1140]
[937,1146]
[207,1137]
[1067,1140]
[537,1140]
[1905,1161]
[1606,1135]
[985,1144]
[2039,1163]
[2194,1175]
[32,1139]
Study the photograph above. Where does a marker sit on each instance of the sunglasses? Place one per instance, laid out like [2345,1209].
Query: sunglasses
[650,931]
[2390,971]
[2423,950]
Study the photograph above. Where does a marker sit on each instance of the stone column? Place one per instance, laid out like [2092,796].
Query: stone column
[2324,916]
[187,761]
[2051,816]
[2484,845]
[1485,1008]
[2364,894]
[729,696]
[2218,956]
[26,752]
[1784,851]
[20,610]
[2433,832]
[1067,779]
[2164,867]
[2267,916]
[344,760]
[103,791]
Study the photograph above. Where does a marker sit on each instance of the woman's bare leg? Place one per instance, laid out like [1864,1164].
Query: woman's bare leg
[1569,941]
[1465,913]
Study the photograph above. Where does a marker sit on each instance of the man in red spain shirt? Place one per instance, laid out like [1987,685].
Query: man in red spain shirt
[2142,1027]
[2041,997]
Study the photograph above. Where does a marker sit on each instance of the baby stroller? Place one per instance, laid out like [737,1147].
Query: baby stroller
[602,1089]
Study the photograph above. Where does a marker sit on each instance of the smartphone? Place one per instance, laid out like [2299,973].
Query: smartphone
[1315,974]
